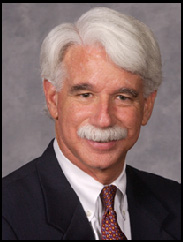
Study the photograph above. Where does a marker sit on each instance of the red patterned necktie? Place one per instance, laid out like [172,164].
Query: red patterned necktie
[110,229]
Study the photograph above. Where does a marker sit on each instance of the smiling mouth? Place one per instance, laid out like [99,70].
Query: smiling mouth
[102,142]
[101,145]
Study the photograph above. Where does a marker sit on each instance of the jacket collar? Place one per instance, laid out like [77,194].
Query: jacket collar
[147,214]
[63,208]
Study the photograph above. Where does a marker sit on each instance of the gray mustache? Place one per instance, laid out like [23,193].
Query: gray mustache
[102,135]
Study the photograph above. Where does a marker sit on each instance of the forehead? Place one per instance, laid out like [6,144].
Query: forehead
[92,63]
[82,60]
[83,54]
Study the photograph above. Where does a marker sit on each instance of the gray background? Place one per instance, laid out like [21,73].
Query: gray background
[25,128]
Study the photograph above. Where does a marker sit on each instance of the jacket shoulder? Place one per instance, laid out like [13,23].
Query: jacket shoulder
[24,172]
[23,204]
[165,189]
[156,198]
[18,187]
[22,184]
[19,174]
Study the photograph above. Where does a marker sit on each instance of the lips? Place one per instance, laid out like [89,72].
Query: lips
[102,146]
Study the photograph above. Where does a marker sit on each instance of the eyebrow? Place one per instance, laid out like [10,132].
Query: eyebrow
[87,86]
[81,86]
[130,91]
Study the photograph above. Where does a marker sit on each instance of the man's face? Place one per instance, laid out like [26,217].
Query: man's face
[98,93]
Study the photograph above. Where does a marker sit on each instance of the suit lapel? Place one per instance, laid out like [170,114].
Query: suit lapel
[63,208]
[79,228]
[147,214]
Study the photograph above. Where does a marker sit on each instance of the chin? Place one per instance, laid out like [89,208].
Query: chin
[101,163]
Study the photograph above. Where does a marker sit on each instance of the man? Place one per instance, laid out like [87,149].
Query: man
[100,78]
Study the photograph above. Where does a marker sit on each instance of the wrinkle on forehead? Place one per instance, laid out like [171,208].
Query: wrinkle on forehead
[78,59]
[92,63]
[81,58]
[84,54]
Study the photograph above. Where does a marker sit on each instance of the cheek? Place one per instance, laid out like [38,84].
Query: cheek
[73,115]
[131,119]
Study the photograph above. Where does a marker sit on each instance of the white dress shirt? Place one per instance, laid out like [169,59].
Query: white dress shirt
[88,191]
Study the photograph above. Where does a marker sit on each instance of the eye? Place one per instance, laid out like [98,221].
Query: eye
[85,95]
[123,98]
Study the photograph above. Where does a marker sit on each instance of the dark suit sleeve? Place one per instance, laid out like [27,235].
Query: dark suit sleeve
[7,231]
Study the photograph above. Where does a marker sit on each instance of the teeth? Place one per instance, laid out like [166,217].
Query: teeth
[101,141]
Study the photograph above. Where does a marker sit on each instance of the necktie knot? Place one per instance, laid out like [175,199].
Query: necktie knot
[107,196]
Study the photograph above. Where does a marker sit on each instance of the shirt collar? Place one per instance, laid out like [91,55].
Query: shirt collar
[85,186]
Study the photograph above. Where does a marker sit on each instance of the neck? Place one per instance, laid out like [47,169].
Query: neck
[106,176]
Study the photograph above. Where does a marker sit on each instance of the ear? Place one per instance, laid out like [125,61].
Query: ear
[148,107]
[51,98]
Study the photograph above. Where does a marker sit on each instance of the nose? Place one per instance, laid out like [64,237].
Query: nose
[103,115]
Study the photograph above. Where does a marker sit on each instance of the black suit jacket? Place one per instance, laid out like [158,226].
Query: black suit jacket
[39,204]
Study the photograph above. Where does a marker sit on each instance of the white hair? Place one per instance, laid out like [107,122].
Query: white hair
[129,43]
[90,132]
